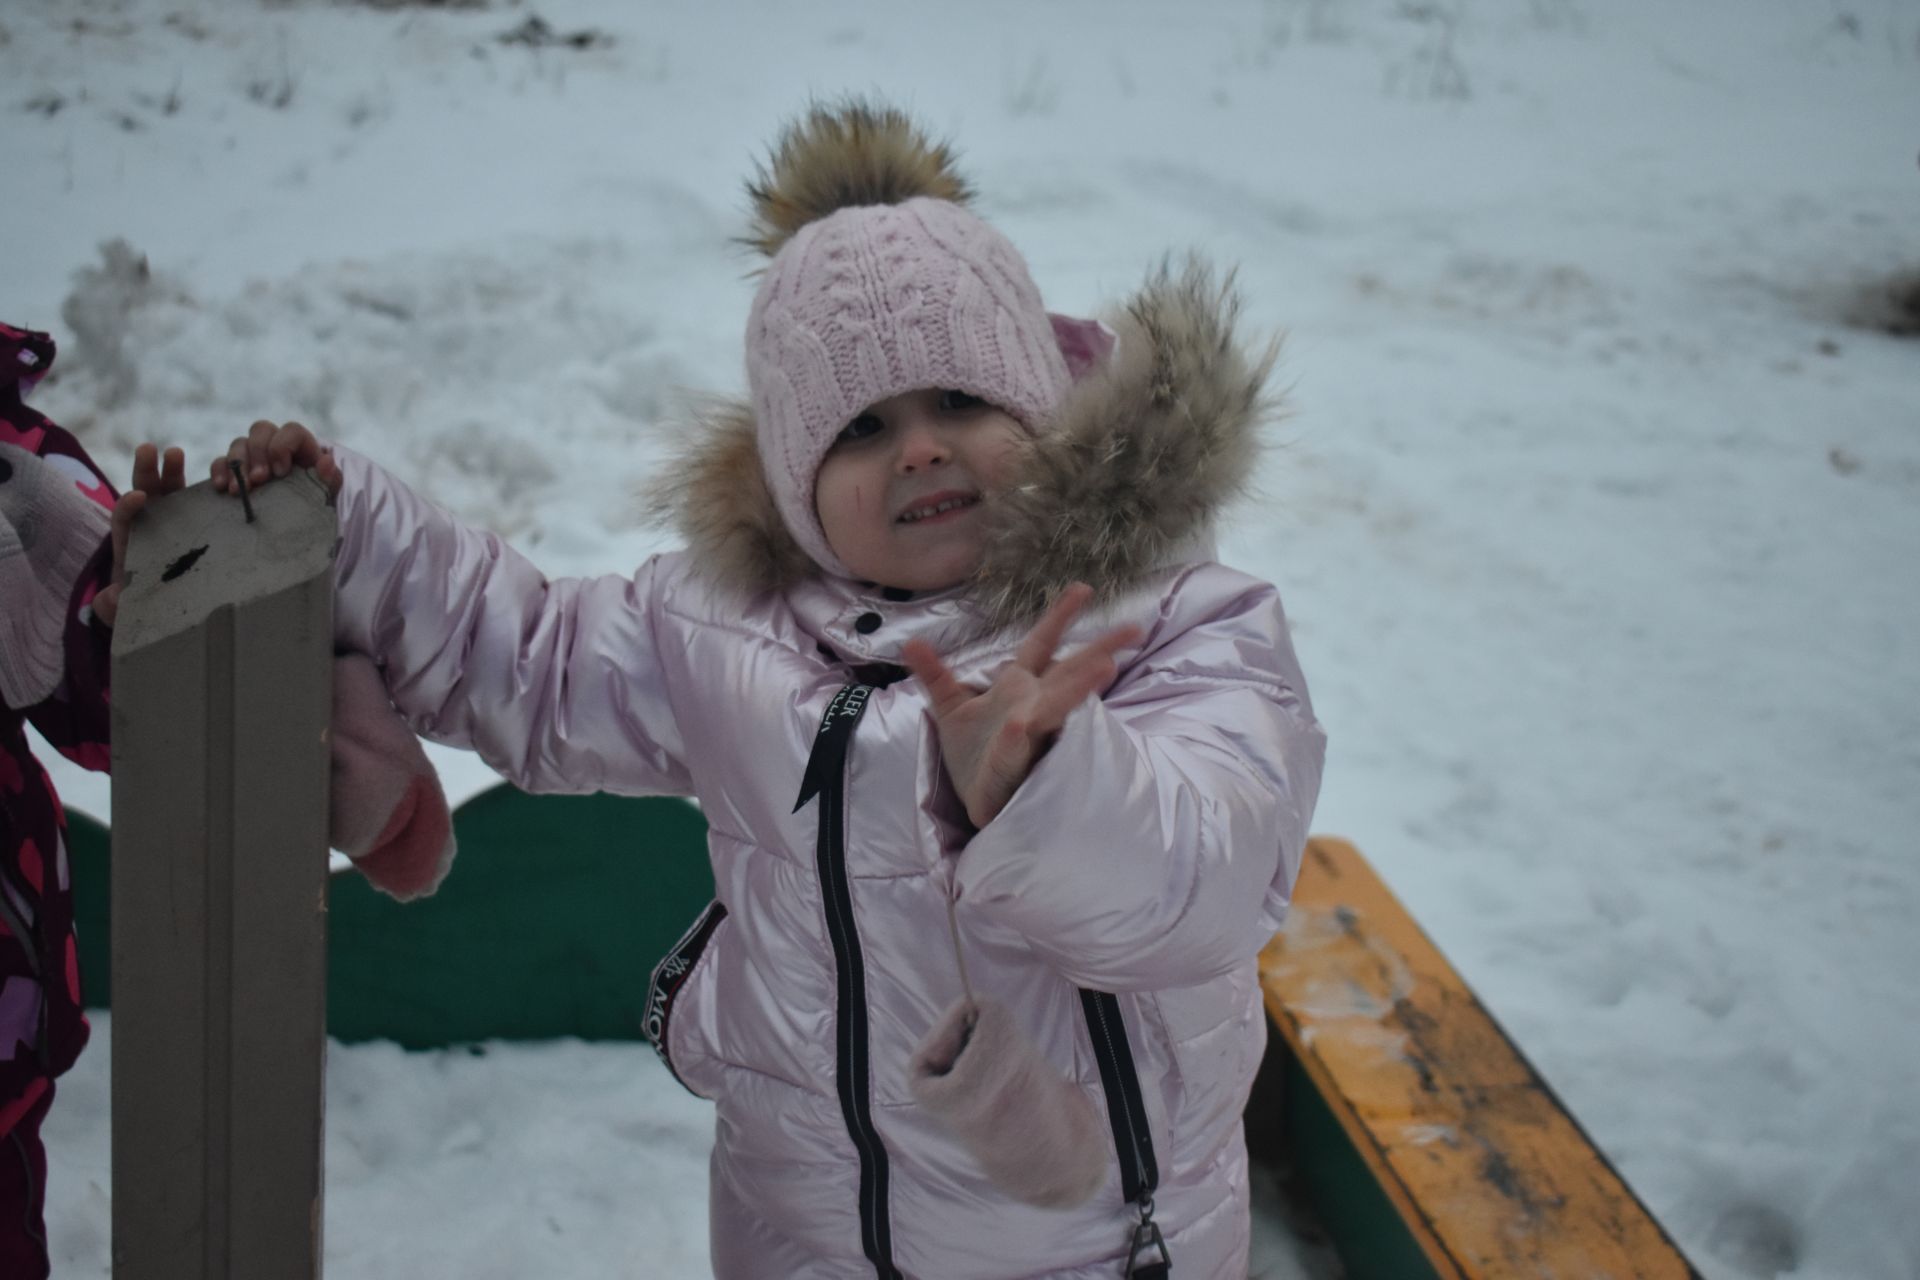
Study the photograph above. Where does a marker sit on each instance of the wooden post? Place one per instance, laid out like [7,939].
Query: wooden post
[222,689]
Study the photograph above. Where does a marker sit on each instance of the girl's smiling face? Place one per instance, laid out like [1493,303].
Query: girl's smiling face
[899,492]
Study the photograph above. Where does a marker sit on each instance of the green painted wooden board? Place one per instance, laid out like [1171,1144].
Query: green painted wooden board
[557,909]
[1290,1127]
[87,844]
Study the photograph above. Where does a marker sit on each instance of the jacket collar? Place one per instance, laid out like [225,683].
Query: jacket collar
[1145,451]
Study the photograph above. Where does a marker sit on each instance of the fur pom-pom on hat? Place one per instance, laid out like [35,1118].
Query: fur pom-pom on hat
[847,156]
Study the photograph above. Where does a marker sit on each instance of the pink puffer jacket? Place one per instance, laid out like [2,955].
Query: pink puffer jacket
[1149,854]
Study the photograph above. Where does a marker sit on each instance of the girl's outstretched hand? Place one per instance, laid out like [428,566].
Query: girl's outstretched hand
[152,474]
[268,452]
[991,738]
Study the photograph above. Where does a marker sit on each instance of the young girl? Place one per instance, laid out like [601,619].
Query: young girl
[1088,807]
[57,564]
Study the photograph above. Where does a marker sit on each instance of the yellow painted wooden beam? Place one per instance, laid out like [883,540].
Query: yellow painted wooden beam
[1489,1172]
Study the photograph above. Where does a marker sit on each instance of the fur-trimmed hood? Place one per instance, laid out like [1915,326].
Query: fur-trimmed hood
[1142,455]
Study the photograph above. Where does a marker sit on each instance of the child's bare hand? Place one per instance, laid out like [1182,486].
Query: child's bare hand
[268,452]
[153,474]
[990,738]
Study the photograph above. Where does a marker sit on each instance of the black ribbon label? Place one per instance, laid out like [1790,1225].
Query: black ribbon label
[829,752]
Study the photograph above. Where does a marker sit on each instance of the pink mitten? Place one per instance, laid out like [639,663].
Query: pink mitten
[386,810]
[1037,1136]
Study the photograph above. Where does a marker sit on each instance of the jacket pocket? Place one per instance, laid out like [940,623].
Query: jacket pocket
[1214,1036]
[671,982]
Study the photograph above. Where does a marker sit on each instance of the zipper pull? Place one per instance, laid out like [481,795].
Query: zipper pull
[1142,1264]
[829,753]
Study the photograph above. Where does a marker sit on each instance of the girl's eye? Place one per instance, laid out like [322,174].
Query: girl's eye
[959,402]
[860,429]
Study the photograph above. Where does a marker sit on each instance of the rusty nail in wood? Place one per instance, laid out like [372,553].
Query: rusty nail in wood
[240,478]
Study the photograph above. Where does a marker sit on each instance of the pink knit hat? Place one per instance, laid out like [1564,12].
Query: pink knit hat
[880,283]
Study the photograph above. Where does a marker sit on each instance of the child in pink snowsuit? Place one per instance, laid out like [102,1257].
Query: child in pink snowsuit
[978,995]
[55,506]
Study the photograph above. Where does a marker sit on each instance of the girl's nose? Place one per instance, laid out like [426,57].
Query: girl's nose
[921,446]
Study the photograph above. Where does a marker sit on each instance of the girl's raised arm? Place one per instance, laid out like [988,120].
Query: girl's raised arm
[556,683]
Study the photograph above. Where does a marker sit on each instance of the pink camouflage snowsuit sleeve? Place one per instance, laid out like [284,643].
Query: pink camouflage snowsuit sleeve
[54,557]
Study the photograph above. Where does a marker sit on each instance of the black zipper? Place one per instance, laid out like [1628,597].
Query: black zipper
[1147,1256]
[826,777]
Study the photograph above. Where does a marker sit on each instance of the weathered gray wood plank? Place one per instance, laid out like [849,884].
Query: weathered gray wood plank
[221,697]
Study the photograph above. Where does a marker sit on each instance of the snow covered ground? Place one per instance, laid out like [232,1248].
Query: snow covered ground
[1598,518]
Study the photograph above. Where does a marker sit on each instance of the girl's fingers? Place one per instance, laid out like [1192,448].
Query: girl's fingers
[292,446]
[259,443]
[284,449]
[106,605]
[1121,637]
[1087,670]
[1096,653]
[223,469]
[328,469]
[146,467]
[1036,651]
[943,688]
[269,450]
[155,472]
[1067,685]
[250,451]
[130,505]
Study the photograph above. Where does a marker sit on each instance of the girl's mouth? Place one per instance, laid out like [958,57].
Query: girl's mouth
[938,507]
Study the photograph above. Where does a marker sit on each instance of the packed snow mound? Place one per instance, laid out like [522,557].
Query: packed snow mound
[485,378]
